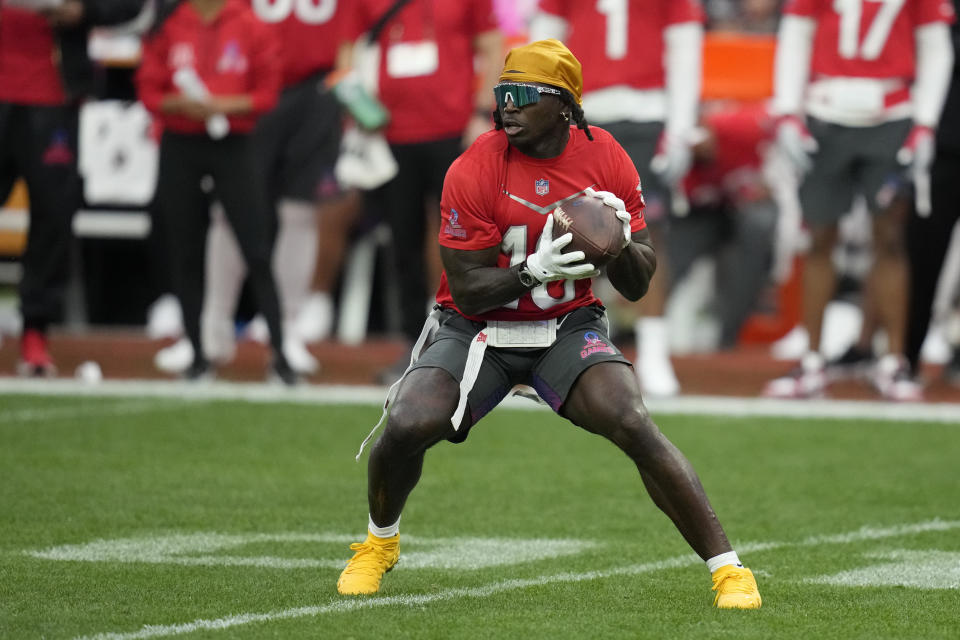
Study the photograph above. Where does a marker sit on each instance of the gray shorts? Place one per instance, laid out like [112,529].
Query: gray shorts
[852,161]
[298,142]
[582,341]
[640,140]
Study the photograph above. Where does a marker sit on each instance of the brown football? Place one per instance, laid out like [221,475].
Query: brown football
[595,227]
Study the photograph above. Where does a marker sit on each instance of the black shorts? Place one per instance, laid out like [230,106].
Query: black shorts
[298,142]
[851,161]
[582,341]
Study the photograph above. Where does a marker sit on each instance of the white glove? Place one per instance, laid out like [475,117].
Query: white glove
[619,208]
[917,155]
[190,84]
[796,142]
[549,263]
[673,158]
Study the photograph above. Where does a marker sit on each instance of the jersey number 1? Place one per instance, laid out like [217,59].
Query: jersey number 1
[851,15]
[514,244]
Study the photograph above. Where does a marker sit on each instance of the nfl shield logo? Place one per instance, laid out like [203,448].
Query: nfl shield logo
[542,186]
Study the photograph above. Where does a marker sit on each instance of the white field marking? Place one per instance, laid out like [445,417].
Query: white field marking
[352,604]
[126,407]
[942,412]
[198,549]
[916,569]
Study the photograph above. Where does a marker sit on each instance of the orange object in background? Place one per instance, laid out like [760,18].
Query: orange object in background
[738,66]
[13,240]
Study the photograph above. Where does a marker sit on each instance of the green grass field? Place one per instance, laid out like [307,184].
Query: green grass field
[140,518]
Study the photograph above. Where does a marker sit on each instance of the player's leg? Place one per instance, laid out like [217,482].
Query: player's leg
[184,207]
[598,391]
[420,416]
[888,279]
[247,209]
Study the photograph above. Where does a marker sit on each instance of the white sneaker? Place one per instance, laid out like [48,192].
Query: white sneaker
[176,358]
[257,330]
[791,346]
[298,357]
[807,380]
[165,317]
[891,377]
[315,321]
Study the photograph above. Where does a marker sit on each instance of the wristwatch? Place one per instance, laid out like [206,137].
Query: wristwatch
[527,278]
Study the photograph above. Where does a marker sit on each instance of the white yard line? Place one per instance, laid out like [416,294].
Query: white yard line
[941,412]
[353,604]
[123,407]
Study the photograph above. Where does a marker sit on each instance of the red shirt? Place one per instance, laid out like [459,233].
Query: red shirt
[867,38]
[28,71]
[233,54]
[429,94]
[741,134]
[309,33]
[623,44]
[493,195]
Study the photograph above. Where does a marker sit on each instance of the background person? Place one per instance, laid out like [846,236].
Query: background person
[505,274]
[45,72]
[426,79]
[857,86]
[642,84]
[235,57]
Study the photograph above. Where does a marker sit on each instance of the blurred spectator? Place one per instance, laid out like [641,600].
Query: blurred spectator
[732,212]
[928,236]
[868,79]
[429,51]
[296,147]
[209,70]
[44,74]
[745,16]
[642,68]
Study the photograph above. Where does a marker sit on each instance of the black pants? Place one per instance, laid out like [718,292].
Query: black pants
[185,209]
[39,143]
[419,181]
[927,243]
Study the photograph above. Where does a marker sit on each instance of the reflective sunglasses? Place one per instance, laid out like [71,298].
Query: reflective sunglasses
[520,94]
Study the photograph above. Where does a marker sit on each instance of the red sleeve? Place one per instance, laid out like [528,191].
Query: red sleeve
[625,184]
[680,11]
[153,77]
[265,75]
[928,11]
[466,220]
[484,18]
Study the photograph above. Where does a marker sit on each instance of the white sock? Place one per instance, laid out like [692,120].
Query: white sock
[384,532]
[722,560]
[295,254]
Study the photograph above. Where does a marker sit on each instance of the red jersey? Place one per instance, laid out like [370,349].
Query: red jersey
[620,42]
[233,54]
[867,38]
[493,195]
[426,77]
[308,31]
[28,73]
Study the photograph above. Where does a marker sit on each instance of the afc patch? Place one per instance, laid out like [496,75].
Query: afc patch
[593,343]
[453,227]
[542,186]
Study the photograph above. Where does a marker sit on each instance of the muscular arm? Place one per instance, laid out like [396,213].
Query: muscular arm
[476,283]
[631,271]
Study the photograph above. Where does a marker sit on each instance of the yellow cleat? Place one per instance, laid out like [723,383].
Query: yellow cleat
[373,558]
[736,588]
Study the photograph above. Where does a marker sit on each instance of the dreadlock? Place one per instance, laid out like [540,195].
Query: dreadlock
[576,113]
